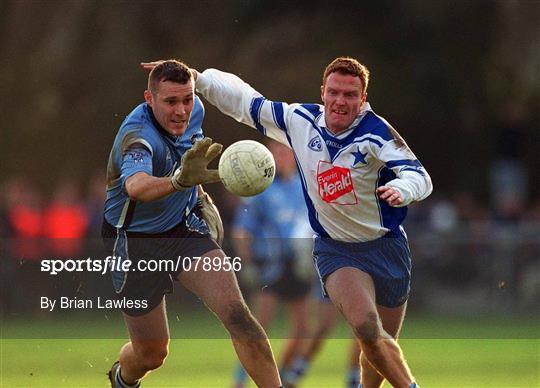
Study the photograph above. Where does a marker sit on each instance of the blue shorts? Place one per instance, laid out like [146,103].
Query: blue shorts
[151,286]
[387,260]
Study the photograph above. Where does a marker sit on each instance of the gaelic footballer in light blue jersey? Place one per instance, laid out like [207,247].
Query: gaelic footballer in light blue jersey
[157,166]
[142,145]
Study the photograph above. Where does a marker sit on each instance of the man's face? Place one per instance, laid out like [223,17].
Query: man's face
[172,104]
[342,97]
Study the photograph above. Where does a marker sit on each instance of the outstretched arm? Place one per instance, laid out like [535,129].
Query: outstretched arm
[228,93]
[237,99]
[143,187]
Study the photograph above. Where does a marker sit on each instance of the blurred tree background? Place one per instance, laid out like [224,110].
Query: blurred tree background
[444,73]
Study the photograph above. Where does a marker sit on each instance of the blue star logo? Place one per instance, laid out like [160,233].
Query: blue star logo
[359,157]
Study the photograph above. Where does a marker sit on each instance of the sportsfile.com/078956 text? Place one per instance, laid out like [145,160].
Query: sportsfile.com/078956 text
[114,263]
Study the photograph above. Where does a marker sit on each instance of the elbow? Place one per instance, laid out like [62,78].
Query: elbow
[134,196]
[429,187]
[134,192]
[136,187]
[137,198]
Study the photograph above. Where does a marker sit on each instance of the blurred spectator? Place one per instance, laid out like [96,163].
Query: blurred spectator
[89,283]
[509,177]
[468,208]
[443,215]
[3,213]
[23,221]
[533,215]
[24,218]
[509,187]
[65,221]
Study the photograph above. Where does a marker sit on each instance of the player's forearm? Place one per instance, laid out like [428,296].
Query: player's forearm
[413,186]
[228,93]
[142,187]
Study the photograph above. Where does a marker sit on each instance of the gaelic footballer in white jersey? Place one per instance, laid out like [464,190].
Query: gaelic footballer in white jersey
[340,173]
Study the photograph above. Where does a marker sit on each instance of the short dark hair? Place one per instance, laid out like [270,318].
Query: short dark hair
[169,70]
[347,65]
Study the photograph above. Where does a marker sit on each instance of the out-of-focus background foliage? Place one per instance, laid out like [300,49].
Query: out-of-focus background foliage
[446,74]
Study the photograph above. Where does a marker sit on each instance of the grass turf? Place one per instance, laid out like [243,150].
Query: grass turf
[458,360]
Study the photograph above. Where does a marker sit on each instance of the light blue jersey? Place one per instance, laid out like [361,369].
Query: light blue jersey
[142,145]
[272,218]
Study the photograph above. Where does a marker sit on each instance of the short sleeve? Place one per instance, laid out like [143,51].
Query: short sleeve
[136,159]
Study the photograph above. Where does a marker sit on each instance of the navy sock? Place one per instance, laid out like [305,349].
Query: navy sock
[296,371]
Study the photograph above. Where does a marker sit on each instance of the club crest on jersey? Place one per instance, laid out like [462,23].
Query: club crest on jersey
[315,144]
[135,155]
[335,184]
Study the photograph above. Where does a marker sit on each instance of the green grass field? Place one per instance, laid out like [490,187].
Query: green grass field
[460,360]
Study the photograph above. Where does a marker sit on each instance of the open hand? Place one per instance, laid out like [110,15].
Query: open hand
[150,65]
[193,168]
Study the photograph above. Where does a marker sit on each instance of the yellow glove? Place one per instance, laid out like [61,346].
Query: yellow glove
[193,168]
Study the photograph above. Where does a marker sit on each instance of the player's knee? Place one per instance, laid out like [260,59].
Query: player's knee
[237,314]
[152,357]
[368,330]
[237,318]
[155,359]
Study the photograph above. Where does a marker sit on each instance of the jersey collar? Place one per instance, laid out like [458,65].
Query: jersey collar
[321,122]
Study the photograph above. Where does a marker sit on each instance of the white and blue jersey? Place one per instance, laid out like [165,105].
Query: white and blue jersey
[339,173]
[142,145]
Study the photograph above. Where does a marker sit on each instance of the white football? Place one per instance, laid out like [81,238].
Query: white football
[246,168]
